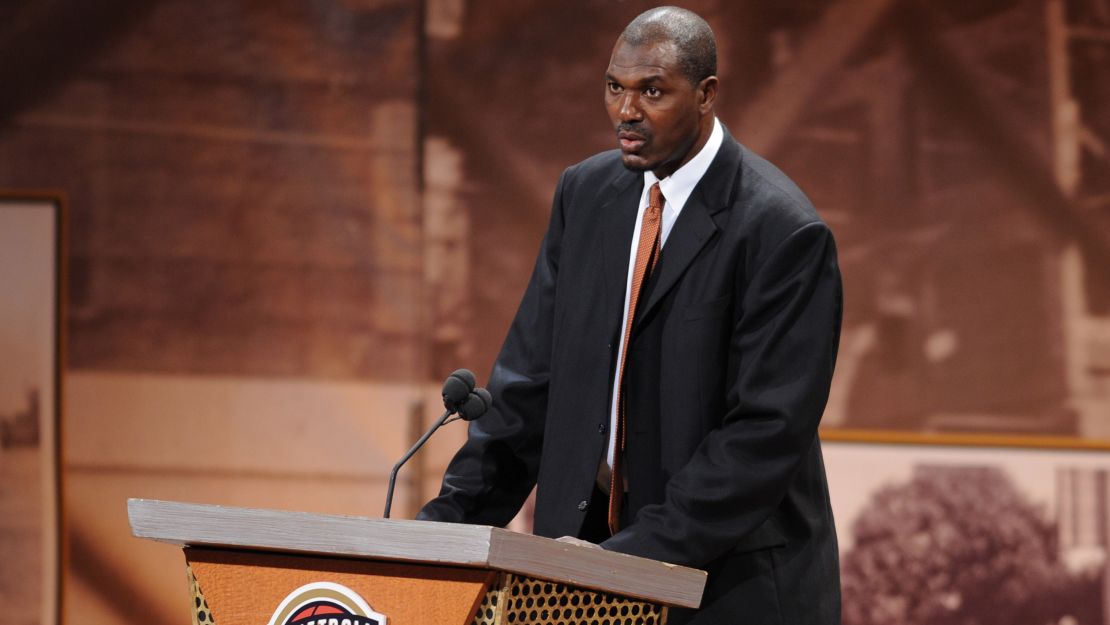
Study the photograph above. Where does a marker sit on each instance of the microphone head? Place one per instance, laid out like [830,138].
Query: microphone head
[457,388]
[466,377]
[486,397]
[476,404]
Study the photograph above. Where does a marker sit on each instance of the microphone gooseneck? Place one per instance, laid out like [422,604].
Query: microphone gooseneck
[459,396]
[405,458]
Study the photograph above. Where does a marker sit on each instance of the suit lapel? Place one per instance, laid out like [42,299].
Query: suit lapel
[618,216]
[695,226]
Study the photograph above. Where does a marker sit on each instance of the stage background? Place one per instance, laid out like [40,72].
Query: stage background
[289,220]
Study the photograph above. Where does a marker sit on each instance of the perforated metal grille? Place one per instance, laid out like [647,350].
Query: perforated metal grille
[524,601]
[201,614]
[488,612]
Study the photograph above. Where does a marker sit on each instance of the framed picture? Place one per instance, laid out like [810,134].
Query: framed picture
[32,280]
[959,535]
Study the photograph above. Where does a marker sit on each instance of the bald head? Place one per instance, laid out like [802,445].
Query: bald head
[691,35]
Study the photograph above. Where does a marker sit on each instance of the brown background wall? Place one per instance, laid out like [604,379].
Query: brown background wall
[354,190]
[245,262]
[242,181]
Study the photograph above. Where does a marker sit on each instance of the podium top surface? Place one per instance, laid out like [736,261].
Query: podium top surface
[446,544]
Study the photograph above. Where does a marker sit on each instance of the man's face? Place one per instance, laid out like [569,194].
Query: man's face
[654,108]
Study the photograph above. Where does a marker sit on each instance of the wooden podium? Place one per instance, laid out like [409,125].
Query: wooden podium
[267,567]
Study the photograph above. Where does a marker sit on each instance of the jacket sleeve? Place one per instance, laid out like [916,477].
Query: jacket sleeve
[780,364]
[492,474]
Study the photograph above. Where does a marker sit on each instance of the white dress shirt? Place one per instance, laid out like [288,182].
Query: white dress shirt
[676,190]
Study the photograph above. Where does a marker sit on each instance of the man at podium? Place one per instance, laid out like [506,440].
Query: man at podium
[664,376]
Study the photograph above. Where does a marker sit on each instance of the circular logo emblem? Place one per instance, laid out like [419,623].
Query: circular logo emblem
[325,603]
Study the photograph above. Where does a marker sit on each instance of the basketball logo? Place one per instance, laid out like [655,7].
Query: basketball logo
[325,603]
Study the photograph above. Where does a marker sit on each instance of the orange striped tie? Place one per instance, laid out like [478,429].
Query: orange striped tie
[647,252]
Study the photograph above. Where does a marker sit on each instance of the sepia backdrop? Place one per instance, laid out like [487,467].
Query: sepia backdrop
[289,220]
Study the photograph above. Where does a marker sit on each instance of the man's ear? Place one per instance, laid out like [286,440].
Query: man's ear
[707,94]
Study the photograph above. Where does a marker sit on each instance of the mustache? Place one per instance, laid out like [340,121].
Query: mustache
[633,129]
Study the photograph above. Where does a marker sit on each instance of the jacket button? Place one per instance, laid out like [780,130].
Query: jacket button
[600,428]
[582,505]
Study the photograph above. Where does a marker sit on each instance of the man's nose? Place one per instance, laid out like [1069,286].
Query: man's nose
[630,108]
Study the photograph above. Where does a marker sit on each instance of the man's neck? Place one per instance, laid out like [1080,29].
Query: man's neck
[705,129]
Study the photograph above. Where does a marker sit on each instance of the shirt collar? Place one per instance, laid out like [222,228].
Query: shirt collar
[678,186]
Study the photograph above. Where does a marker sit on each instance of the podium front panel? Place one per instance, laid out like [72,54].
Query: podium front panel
[252,588]
[231,587]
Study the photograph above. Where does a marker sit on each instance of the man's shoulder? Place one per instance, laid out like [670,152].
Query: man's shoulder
[592,182]
[767,191]
[600,168]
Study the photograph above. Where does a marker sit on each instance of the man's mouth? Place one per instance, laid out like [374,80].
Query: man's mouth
[630,142]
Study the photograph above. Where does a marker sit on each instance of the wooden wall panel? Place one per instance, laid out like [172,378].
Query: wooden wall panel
[244,190]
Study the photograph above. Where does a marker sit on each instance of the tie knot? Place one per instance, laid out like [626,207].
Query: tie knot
[655,198]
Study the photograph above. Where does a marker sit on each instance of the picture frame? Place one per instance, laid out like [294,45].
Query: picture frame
[32,334]
[955,529]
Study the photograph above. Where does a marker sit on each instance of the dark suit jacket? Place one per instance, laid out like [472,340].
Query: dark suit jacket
[728,373]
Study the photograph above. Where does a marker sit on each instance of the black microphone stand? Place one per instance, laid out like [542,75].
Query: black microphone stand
[397,467]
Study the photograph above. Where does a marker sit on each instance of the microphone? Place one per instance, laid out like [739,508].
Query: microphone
[457,388]
[476,404]
[459,398]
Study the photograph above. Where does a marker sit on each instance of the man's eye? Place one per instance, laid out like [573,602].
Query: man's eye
[614,87]
[652,92]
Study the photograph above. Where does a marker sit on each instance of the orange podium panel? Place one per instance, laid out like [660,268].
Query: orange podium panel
[267,567]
